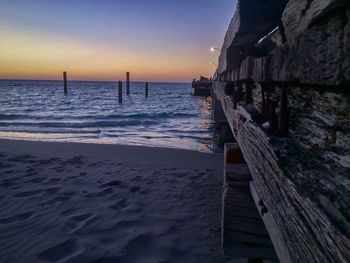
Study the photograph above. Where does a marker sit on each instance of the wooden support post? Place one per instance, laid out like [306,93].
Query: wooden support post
[248,93]
[146,89]
[243,232]
[238,94]
[120,91]
[283,120]
[127,83]
[229,88]
[273,116]
[233,154]
[65,85]
[263,94]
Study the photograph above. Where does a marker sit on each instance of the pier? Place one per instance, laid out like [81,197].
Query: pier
[270,95]
[202,87]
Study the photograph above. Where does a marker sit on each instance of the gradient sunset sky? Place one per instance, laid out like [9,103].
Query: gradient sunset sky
[157,40]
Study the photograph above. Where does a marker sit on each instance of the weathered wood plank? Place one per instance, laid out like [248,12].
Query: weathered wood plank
[252,20]
[317,50]
[301,14]
[238,235]
[261,70]
[242,225]
[271,226]
[246,71]
[237,249]
[233,155]
[249,225]
[295,216]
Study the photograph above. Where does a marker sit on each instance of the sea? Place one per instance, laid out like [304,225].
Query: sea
[90,113]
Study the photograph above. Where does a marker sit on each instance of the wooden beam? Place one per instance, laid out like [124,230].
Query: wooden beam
[283,121]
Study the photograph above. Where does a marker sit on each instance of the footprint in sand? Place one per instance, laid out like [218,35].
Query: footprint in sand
[77,160]
[23,159]
[49,161]
[9,183]
[37,192]
[57,200]
[136,178]
[52,190]
[37,180]
[109,260]
[120,204]
[75,223]
[146,248]
[115,183]
[61,252]
[106,192]
[59,169]
[29,193]
[9,171]
[15,218]
[94,165]
[54,181]
[134,189]
[30,170]
[6,165]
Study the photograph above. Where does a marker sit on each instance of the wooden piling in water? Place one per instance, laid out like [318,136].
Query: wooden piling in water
[120,91]
[146,89]
[65,85]
[127,83]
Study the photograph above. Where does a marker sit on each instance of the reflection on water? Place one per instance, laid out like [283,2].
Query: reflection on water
[170,117]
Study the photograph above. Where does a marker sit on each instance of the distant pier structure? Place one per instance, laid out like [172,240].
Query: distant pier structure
[202,87]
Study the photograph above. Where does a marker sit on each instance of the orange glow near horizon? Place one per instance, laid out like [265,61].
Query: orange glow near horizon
[31,55]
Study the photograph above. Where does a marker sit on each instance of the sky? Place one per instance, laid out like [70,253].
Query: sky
[156,40]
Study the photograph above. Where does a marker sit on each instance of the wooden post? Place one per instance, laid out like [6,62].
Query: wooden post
[248,92]
[283,120]
[263,93]
[120,91]
[238,93]
[127,83]
[146,89]
[272,116]
[65,85]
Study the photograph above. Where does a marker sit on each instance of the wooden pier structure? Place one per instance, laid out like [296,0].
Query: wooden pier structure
[202,87]
[282,83]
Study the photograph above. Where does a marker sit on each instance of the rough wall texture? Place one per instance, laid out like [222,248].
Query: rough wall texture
[321,55]
[306,192]
[252,19]
[303,179]
[317,156]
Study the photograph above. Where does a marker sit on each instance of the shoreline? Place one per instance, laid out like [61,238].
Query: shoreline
[77,202]
[206,149]
[88,148]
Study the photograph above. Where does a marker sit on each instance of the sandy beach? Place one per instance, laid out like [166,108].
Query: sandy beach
[70,202]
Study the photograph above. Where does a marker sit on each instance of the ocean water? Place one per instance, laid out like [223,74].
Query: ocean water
[170,117]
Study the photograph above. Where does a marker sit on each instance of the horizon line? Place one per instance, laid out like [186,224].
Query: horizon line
[75,80]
